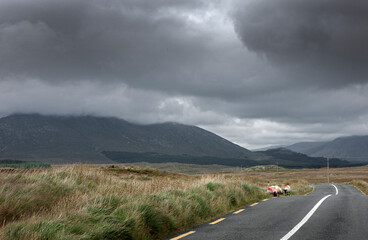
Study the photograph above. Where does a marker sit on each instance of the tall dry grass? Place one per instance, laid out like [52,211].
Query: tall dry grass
[361,185]
[81,202]
[84,202]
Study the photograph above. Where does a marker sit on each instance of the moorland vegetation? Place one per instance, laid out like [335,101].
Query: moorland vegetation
[118,202]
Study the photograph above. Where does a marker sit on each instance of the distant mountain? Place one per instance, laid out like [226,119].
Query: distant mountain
[60,139]
[305,147]
[287,158]
[268,148]
[354,148]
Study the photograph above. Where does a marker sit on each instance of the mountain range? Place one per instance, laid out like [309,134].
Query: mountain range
[288,158]
[89,139]
[67,139]
[352,148]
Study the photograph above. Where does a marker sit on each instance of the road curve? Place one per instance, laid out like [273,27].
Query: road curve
[342,215]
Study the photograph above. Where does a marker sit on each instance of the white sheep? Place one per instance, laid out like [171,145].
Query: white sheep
[275,190]
[287,190]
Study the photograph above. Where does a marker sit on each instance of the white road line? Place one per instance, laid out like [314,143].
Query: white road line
[337,191]
[304,220]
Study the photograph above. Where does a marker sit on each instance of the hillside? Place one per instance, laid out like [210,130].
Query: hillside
[60,139]
[287,158]
[305,147]
[353,148]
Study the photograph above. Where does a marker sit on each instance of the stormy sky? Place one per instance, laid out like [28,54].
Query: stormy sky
[256,72]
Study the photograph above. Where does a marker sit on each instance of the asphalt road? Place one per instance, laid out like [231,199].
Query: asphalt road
[334,213]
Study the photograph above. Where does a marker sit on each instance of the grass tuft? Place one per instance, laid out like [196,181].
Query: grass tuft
[213,186]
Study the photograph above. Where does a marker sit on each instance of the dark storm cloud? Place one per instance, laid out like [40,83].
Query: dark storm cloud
[164,60]
[132,41]
[145,44]
[322,41]
[148,45]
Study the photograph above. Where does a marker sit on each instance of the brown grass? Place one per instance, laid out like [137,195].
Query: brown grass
[84,202]
[361,185]
[316,176]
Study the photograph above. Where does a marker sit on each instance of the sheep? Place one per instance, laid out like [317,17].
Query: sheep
[287,190]
[275,190]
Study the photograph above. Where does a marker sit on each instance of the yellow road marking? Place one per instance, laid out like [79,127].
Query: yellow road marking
[183,235]
[309,192]
[254,204]
[264,200]
[217,221]
[239,211]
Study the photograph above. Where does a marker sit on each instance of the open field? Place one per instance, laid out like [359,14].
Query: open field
[186,168]
[357,176]
[120,202]
[22,164]
[315,176]
[271,174]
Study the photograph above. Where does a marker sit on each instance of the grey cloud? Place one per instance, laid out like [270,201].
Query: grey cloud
[296,105]
[155,61]
[131,41]
[145,44]
[321,41]
[98,99]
